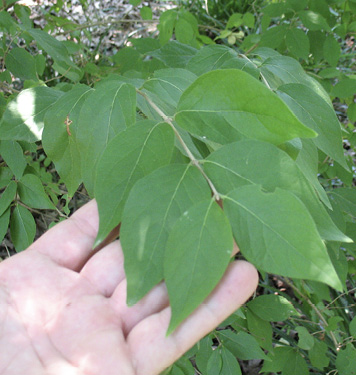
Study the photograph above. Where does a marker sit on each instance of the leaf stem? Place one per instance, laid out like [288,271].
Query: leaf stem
[262,76]
[192,158]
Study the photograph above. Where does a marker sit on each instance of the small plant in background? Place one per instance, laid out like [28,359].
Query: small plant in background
[223,131]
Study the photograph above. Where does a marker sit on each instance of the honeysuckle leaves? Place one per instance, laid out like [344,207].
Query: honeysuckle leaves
[219,57]
[23,117]
[131,155]
[167,193]
[12,154]
[275,240]
[22,228]
[174,54]
[198,251]
[60,136]
[32,193]
[110,109]
[315,113]
[166,87]
[259,163]
[62,62]
[7,196]
[226,105]
[280,70]
[21,64]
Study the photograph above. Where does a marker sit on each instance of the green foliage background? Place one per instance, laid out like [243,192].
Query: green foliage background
[248,104]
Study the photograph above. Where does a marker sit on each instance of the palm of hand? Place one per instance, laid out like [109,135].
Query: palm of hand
[63,311]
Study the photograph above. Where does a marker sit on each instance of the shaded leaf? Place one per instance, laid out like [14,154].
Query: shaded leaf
[281,243]
[107,111]
[297,43]
[230,366]
[131,155]
[226,105]
[32,193]
[272,308]
[60,140]
[260,329]
[194,263]
[345,360]
[214,363]
[219,57]
[23,117]
[280,70]
[166,87]
[313,21]
[7,196]
[167,193]
[22,228]
[241,345]
[4,223]
[62,62]
[306,340]
[21,64]
[259,163]
[331,50]
[317,355]
[315,113]
[13,156]
[174,54]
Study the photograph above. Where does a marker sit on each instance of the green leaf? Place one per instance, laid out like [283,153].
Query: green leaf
[331,49]
[146,13]
[127,59]
[194,263]
[274,36]
[21,64]
[298,43]
[166,87]
[131,155]
[218,56]
[282,243]
[214,363]
[272,308]
[345,88]
[230,366]
[241,345]
[313,21]
[167,193]
[174,54]
[22,228]
[346,199]
[259,163]
[279,70]
[185,32]
[203,354]
[23,118]
[315,113]
[295,364]
[345,360]
[60,141]
[260,329]
[4,223]
[13,156]
[317,39]
[317,355]
[226,105]
[107,111]
[352,327]
[249,20]
[32,193]
[306,340]
[7,196]
[167,21]
[307,161]
[62,62]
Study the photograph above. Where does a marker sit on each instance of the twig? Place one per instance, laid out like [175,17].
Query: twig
[180,139]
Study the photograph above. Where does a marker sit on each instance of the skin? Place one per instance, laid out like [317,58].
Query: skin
[63,310]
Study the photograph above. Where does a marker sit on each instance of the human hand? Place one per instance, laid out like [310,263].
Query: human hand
[63,310]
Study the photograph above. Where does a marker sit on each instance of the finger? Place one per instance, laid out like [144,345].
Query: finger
[152,351]
[70,242]
[105,270]
[153,302]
